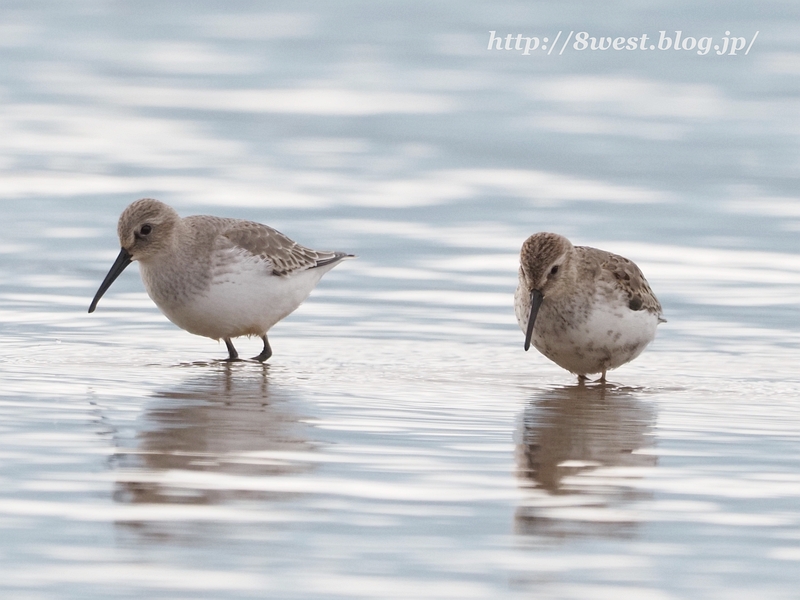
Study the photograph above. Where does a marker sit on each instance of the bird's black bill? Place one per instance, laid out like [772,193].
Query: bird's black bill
[536,302]
[123,260]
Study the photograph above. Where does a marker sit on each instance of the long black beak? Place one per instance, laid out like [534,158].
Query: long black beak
[123,260]
[536,302]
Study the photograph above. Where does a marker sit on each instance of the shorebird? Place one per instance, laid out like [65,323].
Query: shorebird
[216,277]
[585,309]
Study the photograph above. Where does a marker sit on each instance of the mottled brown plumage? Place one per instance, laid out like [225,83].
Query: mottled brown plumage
[628,276]
[586,309]
[284,254]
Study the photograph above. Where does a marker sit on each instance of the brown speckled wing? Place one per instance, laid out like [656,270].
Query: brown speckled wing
[629,279]
[283,254]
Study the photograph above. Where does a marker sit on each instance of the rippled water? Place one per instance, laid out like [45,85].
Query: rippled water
[400,443]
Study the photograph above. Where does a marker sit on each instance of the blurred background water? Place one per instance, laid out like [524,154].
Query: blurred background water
[400,444]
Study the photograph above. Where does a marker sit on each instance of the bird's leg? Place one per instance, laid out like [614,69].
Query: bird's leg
[582,379]
[266,352]
[232,353]
[602,377]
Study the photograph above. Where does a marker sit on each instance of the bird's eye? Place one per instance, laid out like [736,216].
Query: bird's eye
[146,229]
[554,270]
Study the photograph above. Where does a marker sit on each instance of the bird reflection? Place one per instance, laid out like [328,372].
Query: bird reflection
[224,423]
[567,436]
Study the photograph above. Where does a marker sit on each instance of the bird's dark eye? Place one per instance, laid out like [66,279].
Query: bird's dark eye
[146,229]
[554,270]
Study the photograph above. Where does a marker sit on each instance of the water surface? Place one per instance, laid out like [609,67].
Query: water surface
[399,443]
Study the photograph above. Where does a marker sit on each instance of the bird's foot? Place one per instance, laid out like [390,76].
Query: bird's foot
[266,352]
[233,355]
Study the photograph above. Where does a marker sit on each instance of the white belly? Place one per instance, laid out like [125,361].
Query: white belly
[245,300]
[605,338]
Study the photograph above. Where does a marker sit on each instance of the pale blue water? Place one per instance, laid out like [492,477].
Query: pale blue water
[400,444]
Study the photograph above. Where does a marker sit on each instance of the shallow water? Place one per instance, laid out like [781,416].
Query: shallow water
[399,443]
